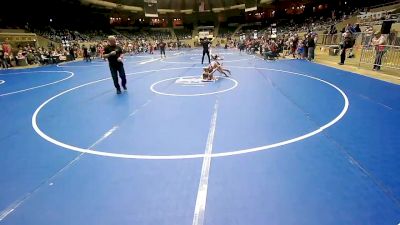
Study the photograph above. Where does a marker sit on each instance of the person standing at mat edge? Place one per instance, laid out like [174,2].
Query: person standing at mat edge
[206,45]
[162,48]
[113,53]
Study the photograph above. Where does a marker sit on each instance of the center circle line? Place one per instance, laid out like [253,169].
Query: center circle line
[191,156]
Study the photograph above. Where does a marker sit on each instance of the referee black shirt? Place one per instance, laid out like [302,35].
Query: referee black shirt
[113,59]
[205,44]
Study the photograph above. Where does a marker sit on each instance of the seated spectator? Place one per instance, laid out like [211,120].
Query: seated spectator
[271,52]
[31,58]
[3,62]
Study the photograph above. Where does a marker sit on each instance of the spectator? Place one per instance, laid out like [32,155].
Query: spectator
[379,41]
[368,35]
[300,50]
[92,51]
[357,28]
[325,36]
[311,46]
[86,54]
[271,52]
[6,47]
[72,53]
[348,28]
[306,46]
[3,62]
[333,34]
[31,58]
[347,43]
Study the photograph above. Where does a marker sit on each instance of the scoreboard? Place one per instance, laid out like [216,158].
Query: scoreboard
[150,8]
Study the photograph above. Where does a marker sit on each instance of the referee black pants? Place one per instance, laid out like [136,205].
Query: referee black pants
[208,55]
[115,70]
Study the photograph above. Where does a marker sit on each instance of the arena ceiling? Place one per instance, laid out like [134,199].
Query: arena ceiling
[173,6]
[181,4]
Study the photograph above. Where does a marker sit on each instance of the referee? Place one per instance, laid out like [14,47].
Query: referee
[206,44]
[162,48]
[114,55]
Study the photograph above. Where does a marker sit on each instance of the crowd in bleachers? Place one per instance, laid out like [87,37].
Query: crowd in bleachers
[183,34]
[312,24]
[291,43]
[146,34]
[376,18]
[72,47]
[68,35]
[226,32]
[282,46]
[159,34]
[30,55]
